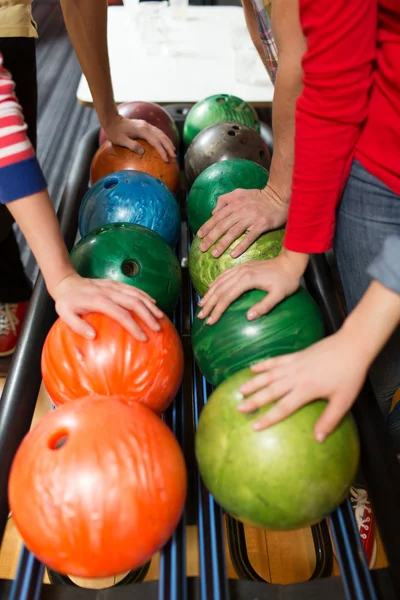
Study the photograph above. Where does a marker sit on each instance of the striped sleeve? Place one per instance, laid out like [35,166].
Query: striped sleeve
[20,173]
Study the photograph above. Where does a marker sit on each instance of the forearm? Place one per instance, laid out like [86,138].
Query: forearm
[86,22]
[38,222]
[263,49]
[291,47]
[372,322]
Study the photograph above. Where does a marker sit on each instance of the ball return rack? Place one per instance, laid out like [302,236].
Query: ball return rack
[378,460]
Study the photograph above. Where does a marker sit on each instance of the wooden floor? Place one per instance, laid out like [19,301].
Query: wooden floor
[278,557]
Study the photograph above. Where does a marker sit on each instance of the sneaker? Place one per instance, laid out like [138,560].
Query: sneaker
[11,319]
[365,522]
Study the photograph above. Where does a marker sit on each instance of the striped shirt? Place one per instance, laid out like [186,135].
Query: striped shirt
[262,9]
[20,173]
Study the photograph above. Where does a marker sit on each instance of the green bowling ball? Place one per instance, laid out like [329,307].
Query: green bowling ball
[234,343]
[279,478]
[218,179]
[221,108]
[134,255]
[204,268]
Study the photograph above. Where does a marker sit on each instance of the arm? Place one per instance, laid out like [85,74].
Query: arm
[257,211]
[291,47]
[336,367]
[332,108]
[86,22]
[23,190]
[267,49]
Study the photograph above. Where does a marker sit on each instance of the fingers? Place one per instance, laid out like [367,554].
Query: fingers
[76,323]
[249,239]
[218,301]
[132,145]
[215,228]
[127,296]
[122,316]
[276,371]
[266,305]
[140,308]
[330,418]
[272,363]
[222,202]
[282,409]
[270,388]
[232,235]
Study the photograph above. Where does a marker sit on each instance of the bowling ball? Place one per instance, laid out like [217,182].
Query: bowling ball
[279,478]
[204,268]
[114,363]
[109,159]
[134,255]
[106,485]
[234,343]
[150,112]
[134,197]
[219,179]
[224,141]
[221,108]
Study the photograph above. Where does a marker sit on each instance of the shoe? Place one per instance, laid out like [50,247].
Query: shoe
[11,319]
[365,522]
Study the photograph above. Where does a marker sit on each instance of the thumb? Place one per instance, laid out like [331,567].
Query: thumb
[330,418]
[264,307]
[77,324]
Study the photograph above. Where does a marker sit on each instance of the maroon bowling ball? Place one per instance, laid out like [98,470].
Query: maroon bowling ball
[150,112]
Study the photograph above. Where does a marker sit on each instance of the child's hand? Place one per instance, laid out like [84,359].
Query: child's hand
[75,296]
[333,369]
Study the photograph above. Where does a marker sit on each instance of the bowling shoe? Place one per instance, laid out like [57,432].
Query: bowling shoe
[11,319]
[365,522]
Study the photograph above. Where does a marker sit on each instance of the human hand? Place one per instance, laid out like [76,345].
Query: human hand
[333,369]
[76,296]
[279,276]
[123,132]
[240,211]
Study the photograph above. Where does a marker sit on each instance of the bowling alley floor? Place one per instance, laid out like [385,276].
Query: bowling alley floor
[280,558]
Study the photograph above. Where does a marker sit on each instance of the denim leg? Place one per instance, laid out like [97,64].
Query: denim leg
[369,212]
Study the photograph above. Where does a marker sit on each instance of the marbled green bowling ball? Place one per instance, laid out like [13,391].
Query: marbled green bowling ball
[204,268]
[218,179]
[221,108]
[279,478]
[134,255]
[233,342]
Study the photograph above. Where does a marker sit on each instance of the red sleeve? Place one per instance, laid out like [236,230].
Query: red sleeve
[337,77]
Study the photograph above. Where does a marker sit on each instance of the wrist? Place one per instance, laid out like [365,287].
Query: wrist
[295,262]
[53,281]
[278,192]
[107,114]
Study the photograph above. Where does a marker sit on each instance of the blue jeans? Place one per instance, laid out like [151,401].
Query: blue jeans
[369,212]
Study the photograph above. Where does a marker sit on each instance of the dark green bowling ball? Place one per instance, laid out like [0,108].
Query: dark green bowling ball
[219,179]
[235,343]
[204,268]
[221,108]
[280,478]
[134,255]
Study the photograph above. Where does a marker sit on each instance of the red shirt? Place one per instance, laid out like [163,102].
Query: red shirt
[349,108]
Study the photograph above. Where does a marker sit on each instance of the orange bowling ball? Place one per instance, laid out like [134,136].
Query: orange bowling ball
[97,487]
[109,159]
[114,363]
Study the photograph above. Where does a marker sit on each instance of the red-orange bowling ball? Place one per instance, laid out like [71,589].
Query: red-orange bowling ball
[97,487]
[109,159]
[114,363]
[153,114]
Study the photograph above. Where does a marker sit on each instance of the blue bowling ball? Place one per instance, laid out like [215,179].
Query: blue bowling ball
[131,197]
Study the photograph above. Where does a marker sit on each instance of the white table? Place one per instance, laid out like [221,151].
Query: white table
[200,59]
